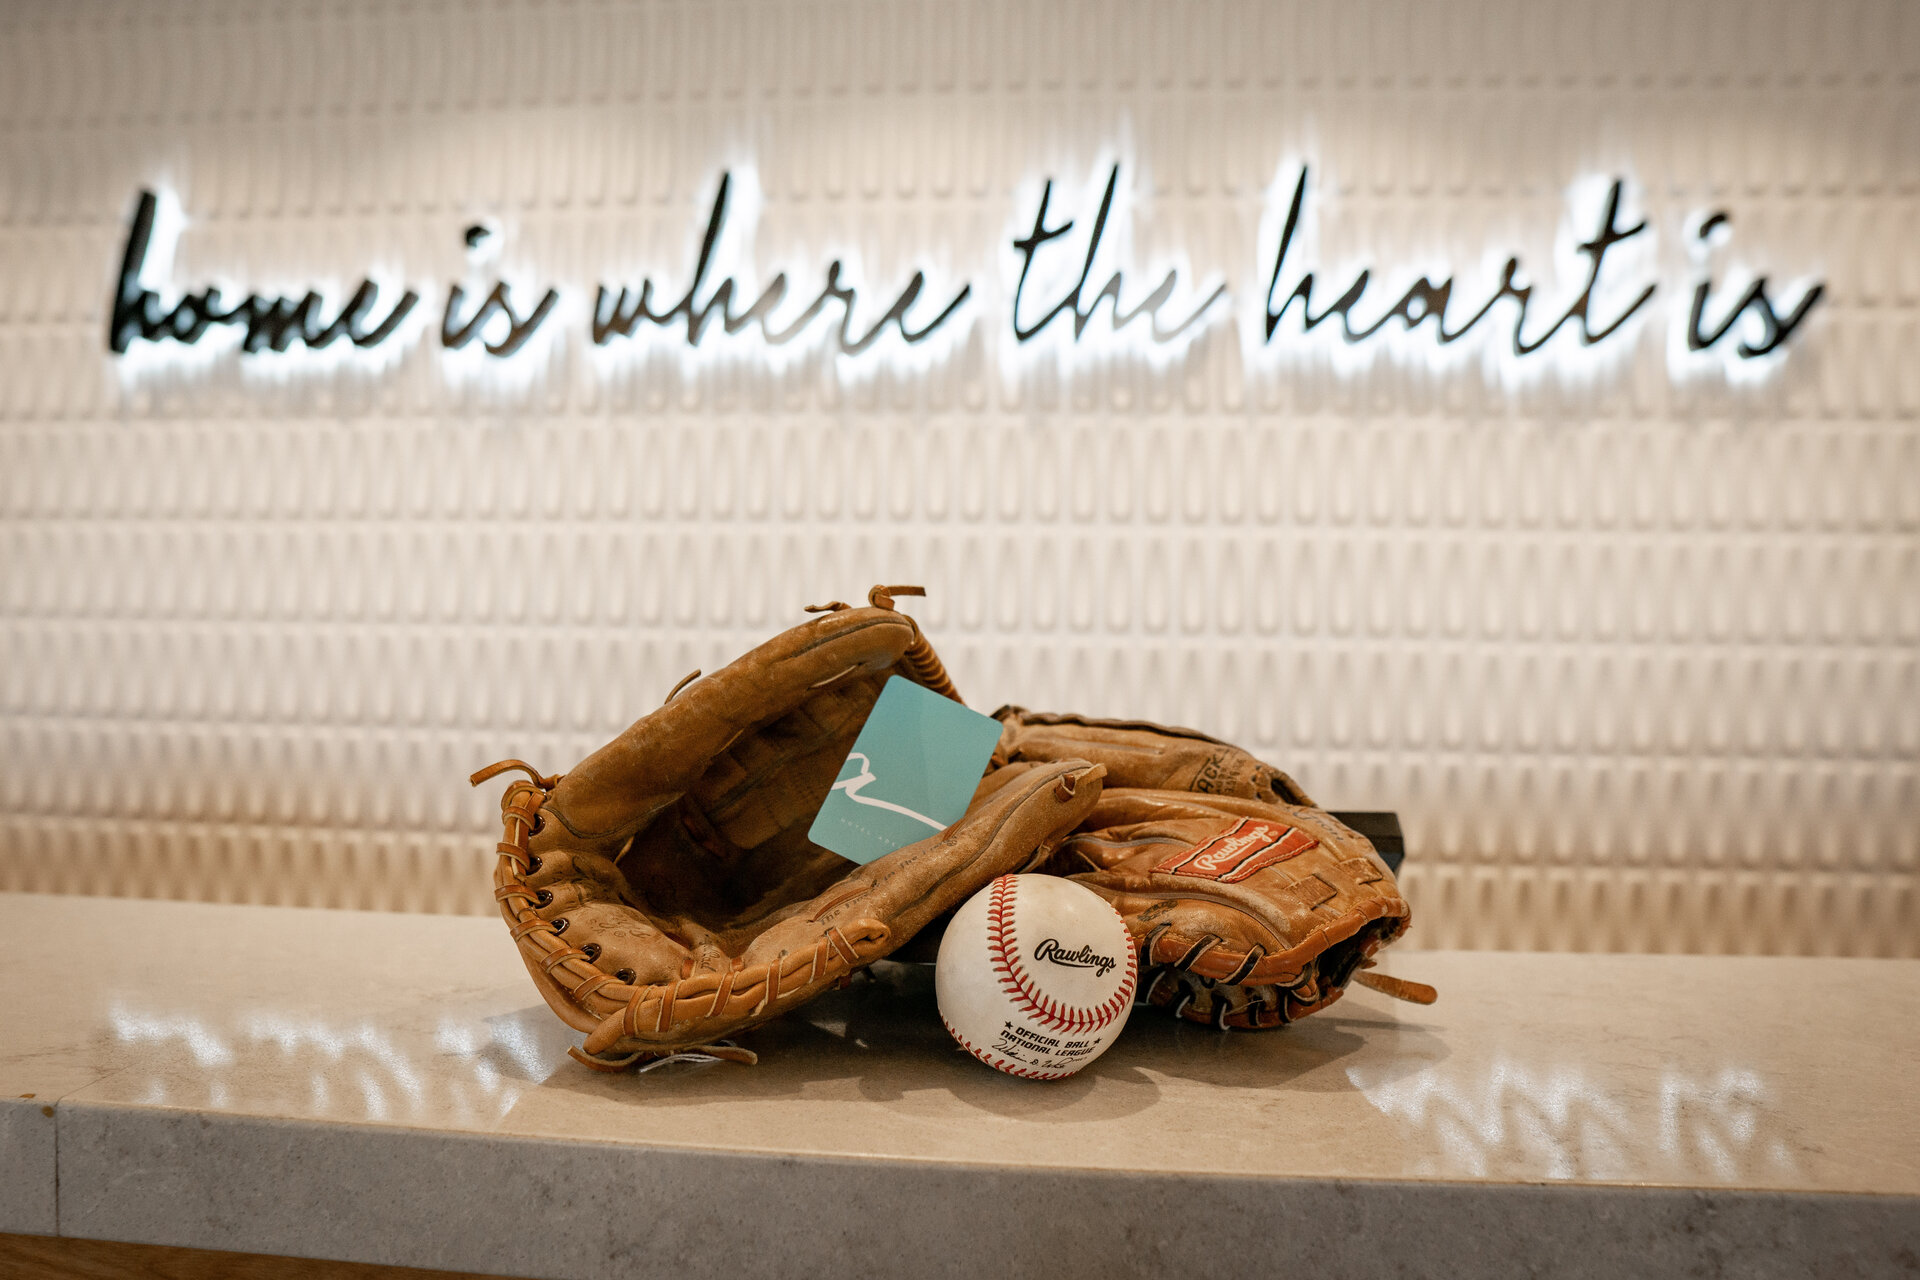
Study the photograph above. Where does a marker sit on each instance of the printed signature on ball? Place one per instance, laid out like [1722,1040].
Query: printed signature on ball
[1086,957]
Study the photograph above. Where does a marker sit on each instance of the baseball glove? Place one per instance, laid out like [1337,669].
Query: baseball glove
[664,894]
[1249,905]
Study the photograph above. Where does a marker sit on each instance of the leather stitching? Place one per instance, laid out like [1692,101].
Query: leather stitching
[1004,955]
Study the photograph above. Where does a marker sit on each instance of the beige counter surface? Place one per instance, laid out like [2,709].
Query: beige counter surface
[389,1088]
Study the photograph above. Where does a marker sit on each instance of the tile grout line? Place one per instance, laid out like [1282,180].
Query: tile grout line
[58,1112]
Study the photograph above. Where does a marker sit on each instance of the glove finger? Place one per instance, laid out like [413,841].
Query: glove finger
[997,778]
[1021,818]
[1129,806]
[1138,753]
[1134,830]
[618,788]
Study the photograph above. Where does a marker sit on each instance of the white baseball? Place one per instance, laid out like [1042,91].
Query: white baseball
[1036,976]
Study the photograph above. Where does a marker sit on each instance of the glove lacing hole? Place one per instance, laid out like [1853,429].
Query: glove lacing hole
[559,925]
[533,862]
[592,951]
[543,898]
[626,975]
[1146,948]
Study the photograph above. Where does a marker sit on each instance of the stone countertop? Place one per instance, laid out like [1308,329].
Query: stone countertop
[390,1088]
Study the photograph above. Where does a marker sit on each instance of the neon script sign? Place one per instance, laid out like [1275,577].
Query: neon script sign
[1044,298]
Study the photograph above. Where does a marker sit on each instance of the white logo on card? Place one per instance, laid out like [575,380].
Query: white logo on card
[853,786]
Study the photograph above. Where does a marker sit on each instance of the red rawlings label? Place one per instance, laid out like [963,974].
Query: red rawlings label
[1239,851]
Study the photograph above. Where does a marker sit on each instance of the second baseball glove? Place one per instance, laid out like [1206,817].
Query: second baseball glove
[1249,905]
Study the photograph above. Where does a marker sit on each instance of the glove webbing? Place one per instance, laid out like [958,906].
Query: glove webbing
[922,663]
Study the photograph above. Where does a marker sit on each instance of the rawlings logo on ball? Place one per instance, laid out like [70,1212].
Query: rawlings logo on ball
[1086,957]
[1239,851]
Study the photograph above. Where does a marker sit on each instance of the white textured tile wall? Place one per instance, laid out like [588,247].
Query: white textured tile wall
[1635,657]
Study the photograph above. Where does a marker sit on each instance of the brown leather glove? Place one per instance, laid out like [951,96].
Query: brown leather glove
[1249,906]
[664,893]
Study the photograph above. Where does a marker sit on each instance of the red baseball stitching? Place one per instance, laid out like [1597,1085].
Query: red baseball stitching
[1001,1064]
[1019,987]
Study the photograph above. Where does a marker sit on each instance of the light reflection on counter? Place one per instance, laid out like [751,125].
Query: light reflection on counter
[464,1071]
[1556,1123]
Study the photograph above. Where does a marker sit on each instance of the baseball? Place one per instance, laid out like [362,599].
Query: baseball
[1036,976]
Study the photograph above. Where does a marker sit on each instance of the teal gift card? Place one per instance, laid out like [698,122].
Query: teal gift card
[910,774]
